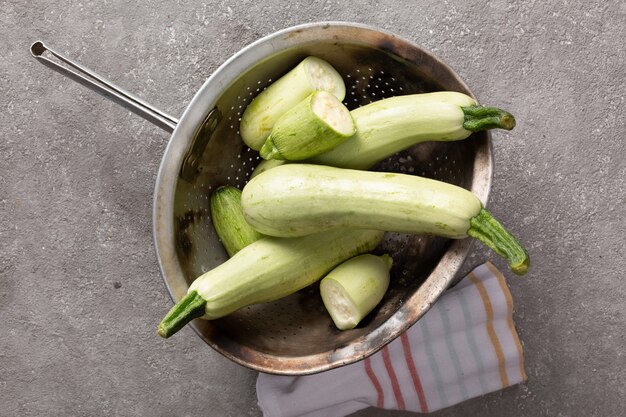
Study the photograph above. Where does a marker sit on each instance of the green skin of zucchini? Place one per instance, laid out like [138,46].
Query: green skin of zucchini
[391,125]
[299,199]
[266,270]
[301,134]
[227,218]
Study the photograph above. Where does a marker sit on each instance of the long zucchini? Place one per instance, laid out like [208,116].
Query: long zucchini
[312,74]
[388,126]
[391,125]
[300,199]
[266,270]
[227,218]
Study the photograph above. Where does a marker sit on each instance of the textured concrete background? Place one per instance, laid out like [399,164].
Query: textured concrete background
[80,289]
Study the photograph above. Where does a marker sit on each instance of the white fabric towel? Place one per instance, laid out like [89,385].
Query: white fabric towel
[464,346]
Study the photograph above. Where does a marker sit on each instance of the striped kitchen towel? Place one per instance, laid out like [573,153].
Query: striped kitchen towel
[464,346]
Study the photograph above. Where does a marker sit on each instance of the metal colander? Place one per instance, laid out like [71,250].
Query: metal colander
[295,335]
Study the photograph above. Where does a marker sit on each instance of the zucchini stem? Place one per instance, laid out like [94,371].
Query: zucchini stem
[479,118]
[187,309]
[492,233]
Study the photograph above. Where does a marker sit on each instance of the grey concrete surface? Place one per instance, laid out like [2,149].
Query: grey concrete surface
[80,289]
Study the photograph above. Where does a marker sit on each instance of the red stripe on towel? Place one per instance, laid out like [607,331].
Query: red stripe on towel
[417,383]
[380,401]
[394,380]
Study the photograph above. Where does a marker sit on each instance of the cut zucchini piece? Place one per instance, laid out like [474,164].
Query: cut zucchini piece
[316,125]
[354,288]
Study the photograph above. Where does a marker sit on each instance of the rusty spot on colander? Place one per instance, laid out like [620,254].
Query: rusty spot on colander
[182,230]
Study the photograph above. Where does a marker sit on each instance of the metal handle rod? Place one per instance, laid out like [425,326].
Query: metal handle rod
[104,87]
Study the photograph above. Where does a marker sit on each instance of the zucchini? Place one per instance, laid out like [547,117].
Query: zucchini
[266,270]
[315,125]
[299,199]
[227,217]
[312,74]
[354,288]
[266,164]
[391,125]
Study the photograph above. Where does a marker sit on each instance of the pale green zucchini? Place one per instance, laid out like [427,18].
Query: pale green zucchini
[300,199]
[266,270]
[266,164]
[312,74]
[227,217]
[354,288]
[391,125]
[315,125]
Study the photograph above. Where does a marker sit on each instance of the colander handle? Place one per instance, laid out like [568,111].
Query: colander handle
[104,87]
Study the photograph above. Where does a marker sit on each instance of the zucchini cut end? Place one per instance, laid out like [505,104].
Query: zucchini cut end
[341,308]
[354,288]
[324,77]
[333,113]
